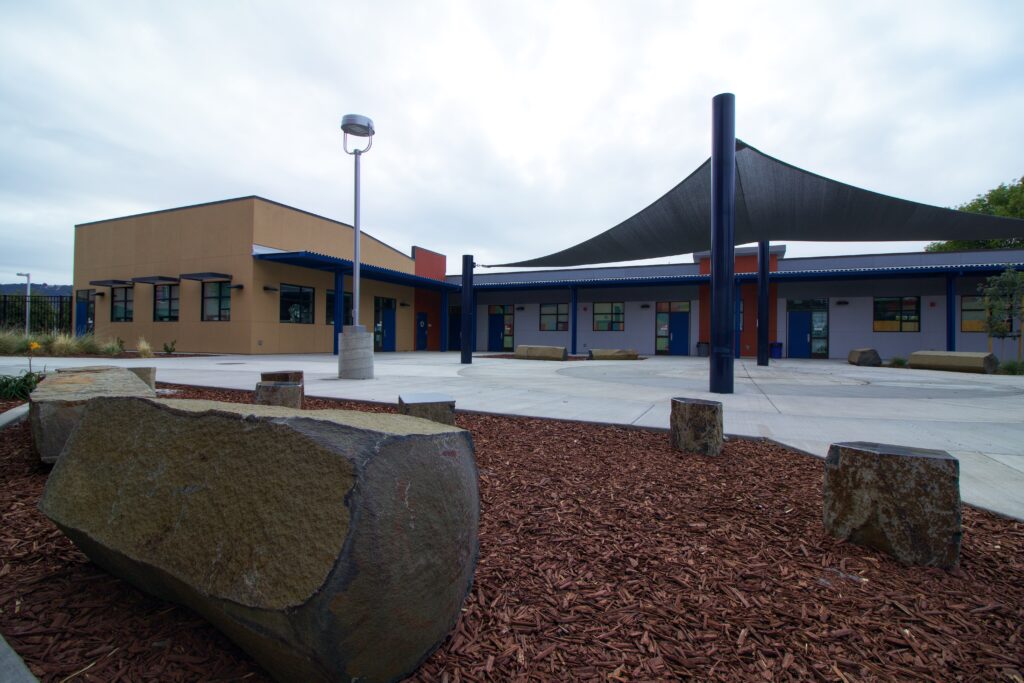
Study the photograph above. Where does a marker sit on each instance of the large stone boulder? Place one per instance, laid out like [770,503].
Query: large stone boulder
[330,545]
[57,403]
[534,352]
[899,500]
[864,357]
[612,354]
[955,361]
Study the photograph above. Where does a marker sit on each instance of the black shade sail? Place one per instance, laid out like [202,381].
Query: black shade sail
[775,201]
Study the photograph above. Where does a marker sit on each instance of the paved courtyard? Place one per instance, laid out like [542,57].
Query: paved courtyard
[803,404]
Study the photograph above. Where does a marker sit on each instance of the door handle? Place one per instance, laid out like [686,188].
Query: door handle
[670,336]
[808,337]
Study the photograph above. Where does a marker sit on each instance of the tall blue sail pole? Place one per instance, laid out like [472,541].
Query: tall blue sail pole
[723,241]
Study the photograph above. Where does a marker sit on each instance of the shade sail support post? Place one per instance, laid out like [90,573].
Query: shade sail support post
[723,242]
[468,312]
[762,302]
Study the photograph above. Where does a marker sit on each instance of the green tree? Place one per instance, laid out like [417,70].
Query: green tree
[1006,200]
[1004,301]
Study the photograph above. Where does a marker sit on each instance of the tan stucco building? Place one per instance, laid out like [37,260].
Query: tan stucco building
[249,275]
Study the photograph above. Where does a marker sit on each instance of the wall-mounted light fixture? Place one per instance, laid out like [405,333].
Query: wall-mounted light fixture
[842,302]
[645,305]
[238,286]
[403,304]
[268,288]
[101,293]
[520,308]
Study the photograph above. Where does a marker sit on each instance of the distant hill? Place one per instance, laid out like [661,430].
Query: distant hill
[37,289]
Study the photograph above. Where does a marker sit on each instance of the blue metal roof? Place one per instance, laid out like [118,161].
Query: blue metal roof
[774,276]
[311,259]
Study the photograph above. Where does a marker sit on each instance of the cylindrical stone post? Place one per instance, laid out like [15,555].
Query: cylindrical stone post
[287,394]
[696,426]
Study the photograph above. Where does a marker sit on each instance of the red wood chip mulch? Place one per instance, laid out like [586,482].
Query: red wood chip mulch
[603,555]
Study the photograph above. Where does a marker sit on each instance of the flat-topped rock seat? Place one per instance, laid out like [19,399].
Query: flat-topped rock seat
[286,394]
[428,406]
[695,426]
[864,358]
[292,376]
[954,361]
[56,404]
[534,352]
[146,374]
[902,501]
[612,354]
[330,545]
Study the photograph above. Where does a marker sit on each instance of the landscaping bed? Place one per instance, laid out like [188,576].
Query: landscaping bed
[604,555]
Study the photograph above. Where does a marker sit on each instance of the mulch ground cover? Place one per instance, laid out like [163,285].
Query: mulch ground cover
[604,555]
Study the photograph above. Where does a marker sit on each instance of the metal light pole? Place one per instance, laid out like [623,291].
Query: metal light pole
[355,352]
[28,301]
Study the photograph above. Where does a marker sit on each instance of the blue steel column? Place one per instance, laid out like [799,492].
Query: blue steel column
[762,303]
[572,318]
[468,309]
[339,306]
[444,320]
[723,241]
[951,313]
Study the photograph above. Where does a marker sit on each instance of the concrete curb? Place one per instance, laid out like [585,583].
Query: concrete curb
[12,669]
[14,415]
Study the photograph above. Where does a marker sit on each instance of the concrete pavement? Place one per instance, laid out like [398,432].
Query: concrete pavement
[804,404]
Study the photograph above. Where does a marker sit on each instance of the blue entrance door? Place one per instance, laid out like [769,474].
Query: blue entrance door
[421,331]
[799,334]
[679,334]
[387,319]
[496,332]
[81,318]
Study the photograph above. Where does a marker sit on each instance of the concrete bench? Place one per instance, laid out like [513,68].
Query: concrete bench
[528,352]
[902,501]
[612,354]
[429,406]
[954,361]
[286,394]
[293,376]
[864,358]
[56,405]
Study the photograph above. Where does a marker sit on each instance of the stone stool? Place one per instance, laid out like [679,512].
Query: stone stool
[293,376]
[696,426]
[900,500]
[287,394]
[436,407]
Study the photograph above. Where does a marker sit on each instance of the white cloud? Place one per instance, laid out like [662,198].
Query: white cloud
[507,130]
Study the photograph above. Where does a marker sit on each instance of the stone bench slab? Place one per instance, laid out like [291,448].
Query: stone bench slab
[330,545]
[612,354]
[534,352]
[57,403]
[954,361]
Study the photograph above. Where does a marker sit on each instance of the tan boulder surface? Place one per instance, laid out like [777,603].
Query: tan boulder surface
[56,404]
[864,358]
[612,354]
[955,361]
[535,352]
[331,545]
[902,501]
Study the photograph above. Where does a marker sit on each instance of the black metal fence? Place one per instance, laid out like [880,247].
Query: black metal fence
[48,314]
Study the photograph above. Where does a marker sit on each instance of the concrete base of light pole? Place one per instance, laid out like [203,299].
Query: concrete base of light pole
[355,353]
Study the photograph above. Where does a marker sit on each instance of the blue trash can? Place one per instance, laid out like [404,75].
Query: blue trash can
[775,349]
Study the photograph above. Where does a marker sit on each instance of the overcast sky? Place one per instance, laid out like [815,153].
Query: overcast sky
[507,130]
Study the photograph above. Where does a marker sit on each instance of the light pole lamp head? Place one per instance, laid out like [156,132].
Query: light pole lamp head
[359,126]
